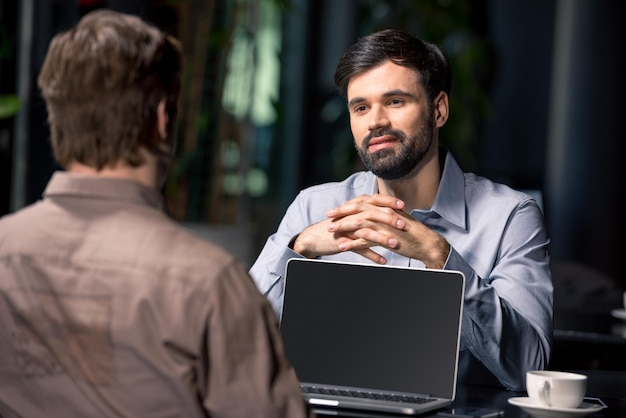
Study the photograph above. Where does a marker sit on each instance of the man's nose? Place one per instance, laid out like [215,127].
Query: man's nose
[378,119]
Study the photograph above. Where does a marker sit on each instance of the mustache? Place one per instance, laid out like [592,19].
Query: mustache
[381,132]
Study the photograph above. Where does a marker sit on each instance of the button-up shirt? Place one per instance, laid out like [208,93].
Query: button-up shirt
[108,308]
[498,240]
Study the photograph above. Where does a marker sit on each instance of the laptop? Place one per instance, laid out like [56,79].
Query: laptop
[372,337]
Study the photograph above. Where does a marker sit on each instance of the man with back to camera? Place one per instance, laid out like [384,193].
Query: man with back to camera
[108,308]
[415,207]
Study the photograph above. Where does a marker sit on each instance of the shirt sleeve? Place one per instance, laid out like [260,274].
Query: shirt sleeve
[268,271]
[246,371]
[507,317]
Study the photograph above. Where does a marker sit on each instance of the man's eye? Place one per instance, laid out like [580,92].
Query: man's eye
[359,109]
[396,101]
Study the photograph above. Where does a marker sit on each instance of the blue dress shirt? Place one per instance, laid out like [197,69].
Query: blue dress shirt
[498,240]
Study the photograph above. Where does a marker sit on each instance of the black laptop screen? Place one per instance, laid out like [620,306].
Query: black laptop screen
[391,329]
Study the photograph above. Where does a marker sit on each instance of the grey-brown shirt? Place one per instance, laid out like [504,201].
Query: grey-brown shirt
[108,308]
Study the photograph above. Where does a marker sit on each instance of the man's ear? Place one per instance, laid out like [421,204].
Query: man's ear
[442,108]
[162,119]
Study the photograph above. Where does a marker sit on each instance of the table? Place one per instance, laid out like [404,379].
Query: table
[608,386]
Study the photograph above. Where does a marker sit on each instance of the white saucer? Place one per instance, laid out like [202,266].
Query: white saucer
[542,411]
[619,313]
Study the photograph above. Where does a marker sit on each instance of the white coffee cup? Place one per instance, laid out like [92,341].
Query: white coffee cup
[556,389]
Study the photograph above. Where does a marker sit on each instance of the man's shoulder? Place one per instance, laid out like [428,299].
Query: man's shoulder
[19,223]
[139,236]
[482,187]
[172,252]
[357,183]
[181,246]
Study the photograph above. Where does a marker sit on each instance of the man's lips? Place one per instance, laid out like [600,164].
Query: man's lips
[381,142]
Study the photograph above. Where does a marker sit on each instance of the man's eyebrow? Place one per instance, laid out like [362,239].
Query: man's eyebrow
[355,101]
[398,92]
[390,93]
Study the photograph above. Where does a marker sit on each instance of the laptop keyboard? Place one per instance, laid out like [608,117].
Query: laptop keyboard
[366,395]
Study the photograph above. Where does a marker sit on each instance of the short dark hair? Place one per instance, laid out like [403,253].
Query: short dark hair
[102,82]
[401,48]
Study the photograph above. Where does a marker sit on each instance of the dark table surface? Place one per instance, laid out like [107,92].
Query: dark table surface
[594,345]
[608,386]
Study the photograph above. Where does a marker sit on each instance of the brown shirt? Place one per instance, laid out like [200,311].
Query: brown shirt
[110,309]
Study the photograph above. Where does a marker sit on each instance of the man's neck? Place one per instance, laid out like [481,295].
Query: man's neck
[144,174]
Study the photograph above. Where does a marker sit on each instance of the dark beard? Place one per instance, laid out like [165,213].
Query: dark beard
[389,164]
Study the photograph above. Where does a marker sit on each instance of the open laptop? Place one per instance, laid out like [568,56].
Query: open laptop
[371,337]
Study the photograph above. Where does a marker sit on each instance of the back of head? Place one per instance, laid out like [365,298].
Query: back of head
[401,48]
[102,82]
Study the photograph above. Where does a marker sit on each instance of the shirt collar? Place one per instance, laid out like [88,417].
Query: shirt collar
[64,183]
[450,200]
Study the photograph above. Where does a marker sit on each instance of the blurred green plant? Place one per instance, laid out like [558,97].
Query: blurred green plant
[9,105]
